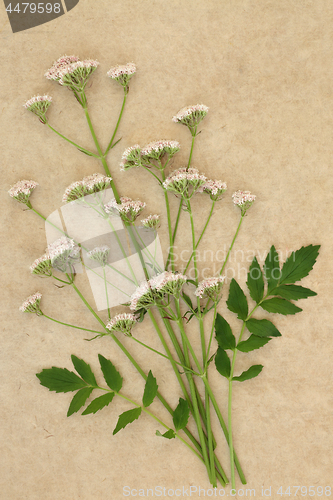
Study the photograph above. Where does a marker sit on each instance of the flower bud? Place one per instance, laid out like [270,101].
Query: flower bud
[122,74]
[128,209]
[38,105]
[191,116]
[210,287]
[243,199]
[31,304]
[22,190]
[122,323]
[99,254]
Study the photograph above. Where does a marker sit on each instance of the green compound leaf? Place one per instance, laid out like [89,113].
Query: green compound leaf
[150,390]
[237,302]
[281,306]
[79,400]
[60,380]
[111,375]
[299,264]
[187,300]
[99,403]
[252,343]
[170,434]
[84,370]
[181,415]
[255,281]
[272,269]
[262,328]
[127,418]
[222,363]
[293,292]
[224,336]
[250,373]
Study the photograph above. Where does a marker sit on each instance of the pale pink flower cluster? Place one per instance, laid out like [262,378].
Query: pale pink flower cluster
[22,190]
[191,115]
[131,157]
[210,287]
[88,185]
[150,291]
[185,182]
[70,71]
[64,252]
[122,323]
[31,304]
[127,208]
[122,73]
[54,72]
[99,254]
[158,148]
[42,265]
[243,199]
[215,188]
[42,102]
[151,222]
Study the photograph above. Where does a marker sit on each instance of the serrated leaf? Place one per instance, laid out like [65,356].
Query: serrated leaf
[237,302]
[252,343]
[224,336]
[79,400]
[248,374]
[181,415]
[293,292]
[111,375]
[281,306]
[99,403]
[150,390]
[262,328]
[222,362]
[299,264]
[127,418]
[84,370]
[60,380]
[272,268]
[170,434]
[255,281]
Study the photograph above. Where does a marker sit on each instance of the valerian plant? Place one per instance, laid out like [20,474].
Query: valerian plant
[150,289]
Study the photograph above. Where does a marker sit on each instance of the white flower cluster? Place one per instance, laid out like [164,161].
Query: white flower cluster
[131,157]
[22,190]
[88,185]
[64,252]
[122,73]
[151,222]
[135,156]
[214,188]
[191,115]
[99,254]
[122,323]
[71,72]
[38,105]
[243,199]
[31,304]
[54,73]
[42,266]
[185,182]
[210,287]
[127,208]
[155,288]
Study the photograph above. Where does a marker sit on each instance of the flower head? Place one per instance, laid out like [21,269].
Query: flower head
[22,190]
[210,287]
[99,254]
[64,252]
[168,282]
[75,75]
[42,266]
[142,297]
[122,323]
[31,304]
[155,150]
[122,74]
[88,185]
[191,116]
[38,105]
[151,222]
[243,199]
[214,189]
[131,157]
[185,182]
[128,209]
[54,72]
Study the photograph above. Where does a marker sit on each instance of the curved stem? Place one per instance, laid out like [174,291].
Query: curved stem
[72,326]
[80,148]
[232,244]
[110,145]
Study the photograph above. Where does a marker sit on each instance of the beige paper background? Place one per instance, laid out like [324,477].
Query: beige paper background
[265,70]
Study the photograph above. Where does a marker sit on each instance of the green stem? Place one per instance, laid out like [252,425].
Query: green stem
[80,148]
[170,256]
[191,152]
[117,125]
[174,232]
[106,293]
[232,244]
[72,326]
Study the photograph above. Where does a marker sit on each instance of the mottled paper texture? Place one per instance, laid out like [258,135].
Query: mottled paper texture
[264,68]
